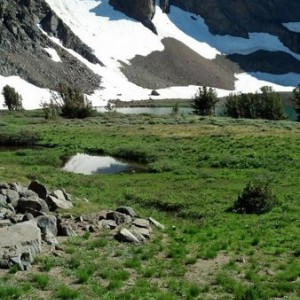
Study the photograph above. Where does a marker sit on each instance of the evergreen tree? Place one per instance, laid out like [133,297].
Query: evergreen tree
[205,101]
[12,99]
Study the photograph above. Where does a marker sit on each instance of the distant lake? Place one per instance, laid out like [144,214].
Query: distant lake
[160,111]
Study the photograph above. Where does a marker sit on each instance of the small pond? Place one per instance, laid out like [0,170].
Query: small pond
[90,164]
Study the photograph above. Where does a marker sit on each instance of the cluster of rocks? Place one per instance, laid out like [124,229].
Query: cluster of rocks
[26,220]
[123,224]
[29,222]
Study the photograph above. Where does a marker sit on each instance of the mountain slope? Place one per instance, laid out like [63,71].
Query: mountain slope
[93,40]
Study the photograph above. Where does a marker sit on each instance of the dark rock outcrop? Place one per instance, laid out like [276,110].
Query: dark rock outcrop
[141,10]
[239,17]
[22,45]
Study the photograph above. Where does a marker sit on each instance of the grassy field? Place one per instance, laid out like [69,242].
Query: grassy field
[195,169]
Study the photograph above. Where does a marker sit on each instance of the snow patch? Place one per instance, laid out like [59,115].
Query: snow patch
[53,54]
[292,26]
[32,95]
[226,44]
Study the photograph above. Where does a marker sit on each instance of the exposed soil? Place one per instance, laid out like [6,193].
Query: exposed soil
[204,269]
[178,65]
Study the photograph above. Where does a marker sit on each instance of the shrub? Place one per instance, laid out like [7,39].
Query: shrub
[296,100]
[74,103]
[12,99]
[53,108]
[265,105]
[256,198]
[204,101]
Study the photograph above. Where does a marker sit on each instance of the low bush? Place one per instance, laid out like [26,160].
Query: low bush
[69,103]
[21,138]
[256,198]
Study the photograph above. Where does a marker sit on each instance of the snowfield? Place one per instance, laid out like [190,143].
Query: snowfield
[114,37]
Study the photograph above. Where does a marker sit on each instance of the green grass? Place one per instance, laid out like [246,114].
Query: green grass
[193,171]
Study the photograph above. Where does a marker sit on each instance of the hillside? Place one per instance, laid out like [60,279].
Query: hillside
[110,54]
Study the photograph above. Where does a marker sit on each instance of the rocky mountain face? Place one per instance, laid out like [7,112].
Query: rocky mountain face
[236,18]
[22,47]
[239,17]
[141,10]
[233,17]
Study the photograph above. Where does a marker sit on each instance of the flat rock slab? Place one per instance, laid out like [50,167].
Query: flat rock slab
[18,235]
[141,223]
[54,203]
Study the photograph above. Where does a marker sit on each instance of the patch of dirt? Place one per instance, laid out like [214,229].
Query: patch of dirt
[179,65]
[204,269]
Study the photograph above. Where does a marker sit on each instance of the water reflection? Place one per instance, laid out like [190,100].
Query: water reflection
[88,164]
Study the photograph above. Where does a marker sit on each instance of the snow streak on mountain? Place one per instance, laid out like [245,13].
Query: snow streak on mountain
[132,60]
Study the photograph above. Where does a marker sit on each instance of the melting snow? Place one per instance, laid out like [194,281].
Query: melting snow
[53,54]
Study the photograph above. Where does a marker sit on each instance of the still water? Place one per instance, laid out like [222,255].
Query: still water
[159,111]
[90,164]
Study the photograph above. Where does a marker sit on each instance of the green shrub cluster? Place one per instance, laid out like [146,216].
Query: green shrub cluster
[264,105]
[69,103]
[256,198]
[75,104]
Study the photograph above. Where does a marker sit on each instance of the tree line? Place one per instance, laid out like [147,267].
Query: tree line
[265,104]
[70,102]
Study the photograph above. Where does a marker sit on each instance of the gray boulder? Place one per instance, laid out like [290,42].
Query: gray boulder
[118,217]
[49,237]
[47,223]
[107,224]
[55,203]
[136,232]
[12,197]
[19,244]
[39,188]
[65,230]
[127,210]
[32,205]
[145,232]
[4,185]
[141,223]
[16,186]
[3,201]
[125,235]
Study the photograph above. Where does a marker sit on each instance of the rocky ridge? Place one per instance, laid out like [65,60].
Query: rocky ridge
[22,47]
[29,223]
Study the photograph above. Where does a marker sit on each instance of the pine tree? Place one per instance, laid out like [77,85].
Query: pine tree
[205,101]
